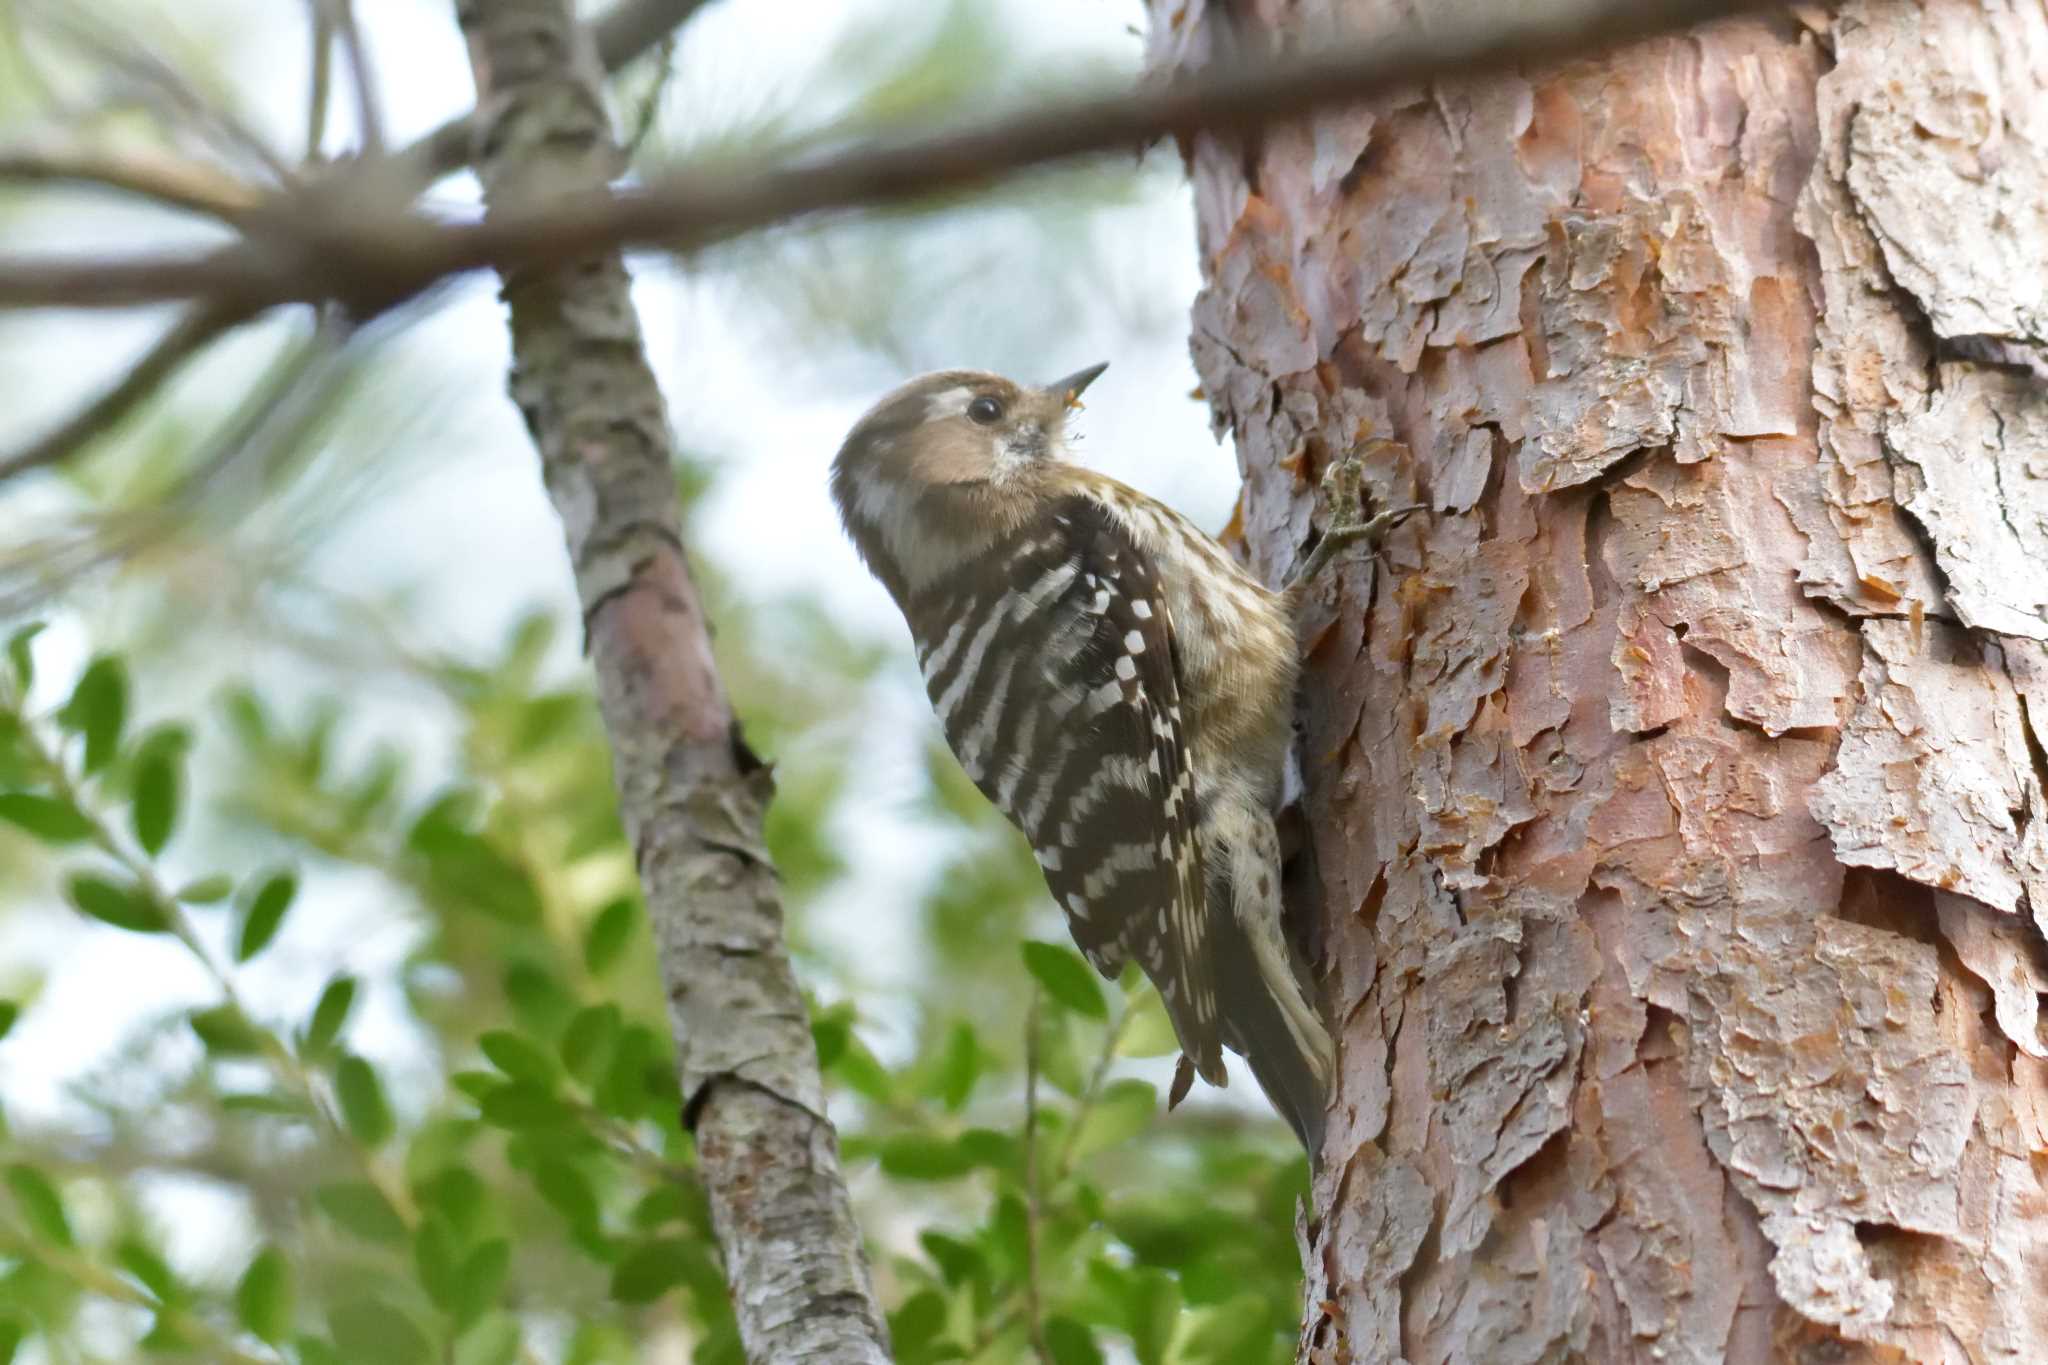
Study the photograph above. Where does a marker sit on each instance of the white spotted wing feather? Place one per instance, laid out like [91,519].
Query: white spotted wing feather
[1055,678]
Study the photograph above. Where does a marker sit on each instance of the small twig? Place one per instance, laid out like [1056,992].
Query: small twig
[189,335]
[321,85]
[166,180]
[1112,1045]
[369,100]
[650,103]
[1034,1316]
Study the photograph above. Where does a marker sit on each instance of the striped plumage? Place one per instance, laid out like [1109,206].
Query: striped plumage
[1117,686]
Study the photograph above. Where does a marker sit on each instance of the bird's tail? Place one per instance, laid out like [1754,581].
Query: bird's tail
[1268,1032]
[1268,1014]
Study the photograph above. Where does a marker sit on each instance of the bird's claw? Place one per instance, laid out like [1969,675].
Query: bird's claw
[1342,494]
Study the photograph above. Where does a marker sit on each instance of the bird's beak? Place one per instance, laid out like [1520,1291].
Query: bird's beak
[1070,388]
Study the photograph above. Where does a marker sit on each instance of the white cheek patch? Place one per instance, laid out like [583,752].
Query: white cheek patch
[948,403]
[877,501]
[1004,458]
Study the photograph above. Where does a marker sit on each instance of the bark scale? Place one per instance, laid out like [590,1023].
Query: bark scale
[1676,791]
[691,795]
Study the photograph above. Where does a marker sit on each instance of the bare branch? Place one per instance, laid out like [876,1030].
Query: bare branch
[374,261]
[146,174]
[690,793]
[1034,1311]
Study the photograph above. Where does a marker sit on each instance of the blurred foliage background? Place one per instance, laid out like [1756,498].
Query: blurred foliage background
[329,1027]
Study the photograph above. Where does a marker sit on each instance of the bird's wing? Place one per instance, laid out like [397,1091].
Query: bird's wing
[1056,681]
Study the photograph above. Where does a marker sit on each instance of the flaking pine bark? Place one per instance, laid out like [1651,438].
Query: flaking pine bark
[1676,788]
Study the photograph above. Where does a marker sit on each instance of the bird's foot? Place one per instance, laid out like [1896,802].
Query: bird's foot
[1344,496]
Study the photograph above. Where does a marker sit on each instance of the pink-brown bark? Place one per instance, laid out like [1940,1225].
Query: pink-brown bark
[1675,790]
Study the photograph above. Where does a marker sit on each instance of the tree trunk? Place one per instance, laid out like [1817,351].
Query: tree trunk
[1674,789]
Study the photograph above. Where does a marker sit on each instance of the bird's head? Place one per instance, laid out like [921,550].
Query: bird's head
[947,460]
[963,426]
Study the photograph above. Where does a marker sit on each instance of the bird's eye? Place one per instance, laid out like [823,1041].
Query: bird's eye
[985,410]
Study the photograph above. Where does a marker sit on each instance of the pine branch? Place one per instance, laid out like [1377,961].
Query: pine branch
[690,793]
[373,259]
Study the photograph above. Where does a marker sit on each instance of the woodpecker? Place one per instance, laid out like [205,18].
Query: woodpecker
[1119,687]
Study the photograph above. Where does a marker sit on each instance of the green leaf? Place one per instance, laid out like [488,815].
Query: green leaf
[650,1270]
[207,890]
[9,1012]
[1066,978]
[478,1085]
[263,1299]
[11,1333]
[1122,1111]
[624,1092]
[124,907]
[518,1105]
[45,817]
[329,1015]
[1148,1032]
[609,935]
[363,1106]
[466,869]
[1071,1343]
[1151,1312]
[266,1102]
[437,1257]
[958,1262]
[481,1278]
[922,1156]
[21,651]
[914,1324]
[672,1202]
[587,1042]
[247,718]
[18,767]
[987,1147]
[543,1005]
[40,1207]
[569,1191]
[97,710]
[456,1196]
[226,1032]
[141,1260]
[1008,1236]
[266,912]
[959,1067]
[362,1209]
[492,1340]
[831,1031]
[157,791]
[519,1057]
[366,1330]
